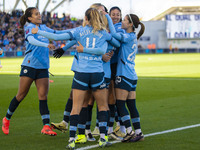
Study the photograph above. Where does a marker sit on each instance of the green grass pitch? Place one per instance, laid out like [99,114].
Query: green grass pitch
[168,97]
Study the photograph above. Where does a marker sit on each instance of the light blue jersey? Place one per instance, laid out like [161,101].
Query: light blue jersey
[106,65]
[36,56]
[85,62]
[118,29]
[127,52]
[94,44]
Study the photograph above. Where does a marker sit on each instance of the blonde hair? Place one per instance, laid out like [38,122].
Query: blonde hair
[97,6]
[94,19]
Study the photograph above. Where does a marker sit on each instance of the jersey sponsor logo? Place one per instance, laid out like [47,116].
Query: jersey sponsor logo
[118,80]
[25,71]
[90,58]
[41,37]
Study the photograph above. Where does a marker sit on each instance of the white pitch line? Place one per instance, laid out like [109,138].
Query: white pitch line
[147,135]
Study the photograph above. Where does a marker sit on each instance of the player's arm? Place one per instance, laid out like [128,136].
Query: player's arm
[60,51]
[97,51]
[114,42]
[69,45]
[35,42]
[53,36]
[116,35]
[57,31]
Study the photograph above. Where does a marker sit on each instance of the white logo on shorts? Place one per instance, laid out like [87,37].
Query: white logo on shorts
[103,85]
[25,70]
[118,80]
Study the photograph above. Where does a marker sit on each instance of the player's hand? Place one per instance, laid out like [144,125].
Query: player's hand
[34,30]
[57,53]
[106,57]
[111,53]
[79,48]
[51,46]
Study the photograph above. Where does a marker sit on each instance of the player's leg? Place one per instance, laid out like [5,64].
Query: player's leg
[81,137]
[100,94]
[42,85]
[122,89]
[89,118]
[63,125]
[80,88]
[135,118]
[24,86]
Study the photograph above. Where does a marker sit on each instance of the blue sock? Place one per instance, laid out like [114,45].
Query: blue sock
[108,122]
[103,118]
[112,115]
[12,107]
[89,117]
[82,120]
[116,115]
[123,112]
[131,104]
[74,119]
[67,111]
[44,111]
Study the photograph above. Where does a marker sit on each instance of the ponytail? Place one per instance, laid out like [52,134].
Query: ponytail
[136,21]
[24,18]
[95,19]
[141,30]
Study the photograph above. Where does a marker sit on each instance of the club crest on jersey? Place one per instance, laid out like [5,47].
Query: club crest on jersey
[25,71]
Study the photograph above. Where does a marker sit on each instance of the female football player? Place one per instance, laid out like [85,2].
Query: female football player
[34,68]
[88,70]
[126,77]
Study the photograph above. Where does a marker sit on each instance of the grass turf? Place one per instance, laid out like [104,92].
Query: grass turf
[167,98]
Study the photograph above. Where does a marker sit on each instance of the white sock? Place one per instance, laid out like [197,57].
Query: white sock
[71,139]
[123,129]
[110,130]
[65,123]
[102,136]
[138,131]
[129,129]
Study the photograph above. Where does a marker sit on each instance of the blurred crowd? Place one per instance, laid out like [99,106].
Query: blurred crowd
[12,40]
